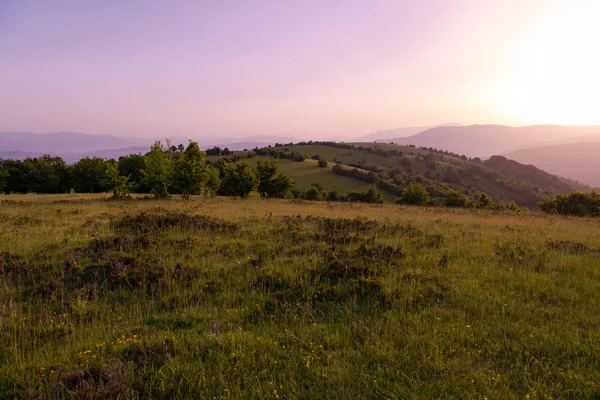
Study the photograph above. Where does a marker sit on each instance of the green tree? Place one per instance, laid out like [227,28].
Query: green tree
[315,192]
[87,175]
[483,201]
[371,195]
[132,166]
[322,162]
[46,174]
[189,171]
[239,180]
[414,194]
[118,184]
[213,181]
[272,184]
[158,165]
[454,198]
[14,176]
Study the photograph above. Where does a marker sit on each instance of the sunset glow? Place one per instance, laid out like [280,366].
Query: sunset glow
[334,69]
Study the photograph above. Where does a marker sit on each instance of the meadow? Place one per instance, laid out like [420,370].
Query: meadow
[227,298]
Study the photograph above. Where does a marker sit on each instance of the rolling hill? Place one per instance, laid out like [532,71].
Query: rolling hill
[392,167]
[580,161]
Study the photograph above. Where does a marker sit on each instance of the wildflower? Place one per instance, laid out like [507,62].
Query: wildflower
[214,328]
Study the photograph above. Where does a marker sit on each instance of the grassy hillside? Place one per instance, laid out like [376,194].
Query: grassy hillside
[439,171]
[223,298]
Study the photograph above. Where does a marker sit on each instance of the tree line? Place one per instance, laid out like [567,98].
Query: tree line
[163,171]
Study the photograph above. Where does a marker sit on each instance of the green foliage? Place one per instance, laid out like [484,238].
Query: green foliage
[454,198]
[87,175]
[213,181]
[272,184]
[483,201]
[322,162]
[239,180]
[132,166]
[372,195]
[4,175]
[189,171]
[414,194]
[46,174]
[119,185]
[158,166]
[577,203]
[315,192]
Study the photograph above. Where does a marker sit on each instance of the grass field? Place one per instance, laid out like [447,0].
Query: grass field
[225,298]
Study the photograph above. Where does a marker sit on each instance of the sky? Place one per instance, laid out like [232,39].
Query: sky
[307,69]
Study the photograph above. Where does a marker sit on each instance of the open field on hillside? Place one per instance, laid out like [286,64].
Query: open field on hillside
[225,298]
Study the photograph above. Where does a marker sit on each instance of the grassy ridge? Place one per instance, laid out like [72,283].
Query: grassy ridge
[308,300]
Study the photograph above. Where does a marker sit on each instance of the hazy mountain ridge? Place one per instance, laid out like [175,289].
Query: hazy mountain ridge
[486,140]
[73,146]
[579,161]
[386,134]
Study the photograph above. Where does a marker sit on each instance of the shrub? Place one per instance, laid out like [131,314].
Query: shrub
[414,194]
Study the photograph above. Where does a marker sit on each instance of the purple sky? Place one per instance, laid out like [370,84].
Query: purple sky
[292,68]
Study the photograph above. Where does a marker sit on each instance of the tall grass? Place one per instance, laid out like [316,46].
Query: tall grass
[223,298]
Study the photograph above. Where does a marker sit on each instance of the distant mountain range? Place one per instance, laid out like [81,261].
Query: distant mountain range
[486,140]
[386,134]
[580,161]
[72,146]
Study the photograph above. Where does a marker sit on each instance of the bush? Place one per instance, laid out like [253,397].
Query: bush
[414,194]
[577,203]
[322,162]
[454,198]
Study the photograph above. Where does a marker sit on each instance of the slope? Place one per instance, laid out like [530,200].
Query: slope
[580,161]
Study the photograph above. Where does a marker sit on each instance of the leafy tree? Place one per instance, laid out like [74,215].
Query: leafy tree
[158,165]
[239,180]
[132,166]
[576,203]
[371,195]
[314,192]
[272,184]
[118,184]
[213,181]
[214,151]
[189,171]
[4,175]
[484,201]
[322,162]
[87,175]
[15,176]
[454,198]
[46,174]
[414,194]
[334,195]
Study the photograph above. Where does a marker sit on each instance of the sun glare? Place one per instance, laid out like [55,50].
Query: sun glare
[556,73]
